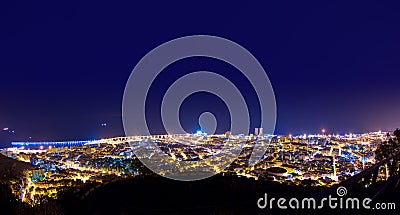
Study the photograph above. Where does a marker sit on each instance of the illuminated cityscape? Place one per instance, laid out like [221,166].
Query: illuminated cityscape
[301,160]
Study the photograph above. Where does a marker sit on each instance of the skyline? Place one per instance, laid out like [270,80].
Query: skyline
[310,161]
[64,66]
[15,141]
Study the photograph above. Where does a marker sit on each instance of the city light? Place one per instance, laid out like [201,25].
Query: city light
[291,159]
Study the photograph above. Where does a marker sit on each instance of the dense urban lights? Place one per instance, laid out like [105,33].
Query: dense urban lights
[323,159]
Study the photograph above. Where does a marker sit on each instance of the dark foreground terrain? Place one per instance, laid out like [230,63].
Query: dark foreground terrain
[215,195]
[10,168]
[157,195]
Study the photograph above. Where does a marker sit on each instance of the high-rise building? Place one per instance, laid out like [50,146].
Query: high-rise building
[227,134]
[260,131]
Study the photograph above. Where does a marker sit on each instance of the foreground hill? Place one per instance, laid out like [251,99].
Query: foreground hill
[10,168]
[157,195]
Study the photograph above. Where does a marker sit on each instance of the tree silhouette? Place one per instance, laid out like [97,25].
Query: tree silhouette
[397,133]
[385,149]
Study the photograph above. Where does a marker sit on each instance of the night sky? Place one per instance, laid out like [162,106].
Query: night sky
[64,64]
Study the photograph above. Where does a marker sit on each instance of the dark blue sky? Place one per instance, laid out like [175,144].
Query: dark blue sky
[64,65]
